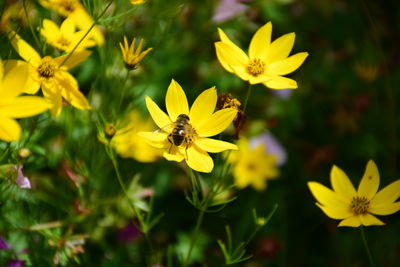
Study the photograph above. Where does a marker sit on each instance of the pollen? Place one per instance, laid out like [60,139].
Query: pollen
[359,205]
[47,68]
[255,67]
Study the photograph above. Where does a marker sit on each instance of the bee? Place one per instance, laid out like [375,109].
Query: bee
[182,132]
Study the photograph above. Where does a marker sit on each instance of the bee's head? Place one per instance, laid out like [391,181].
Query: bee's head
[183,116]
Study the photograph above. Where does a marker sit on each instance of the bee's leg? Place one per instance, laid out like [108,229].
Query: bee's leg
[187,145]
[169,140]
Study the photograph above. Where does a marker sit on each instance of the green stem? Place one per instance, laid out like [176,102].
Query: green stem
[194,236]
[203,207]
[246,100]
[371,261]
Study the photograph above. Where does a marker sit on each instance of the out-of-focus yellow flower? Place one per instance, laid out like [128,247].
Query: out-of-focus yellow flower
[183,133]
[66,37]
[14,12]
[74,10]
[252,166]
[48,73]
[130,145]
[367,72]
[353,207]
[13,76]
[132,56]
[266,63]
[137,2]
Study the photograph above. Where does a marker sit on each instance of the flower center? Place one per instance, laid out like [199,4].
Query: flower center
[63,42]
[255,67]
[359,205]
[67,5]
[47,67]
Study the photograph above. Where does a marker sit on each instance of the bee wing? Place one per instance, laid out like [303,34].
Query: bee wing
[167,128]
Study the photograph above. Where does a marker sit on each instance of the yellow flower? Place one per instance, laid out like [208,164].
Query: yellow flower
[267,61]
[74,10]
[137,2]
[252,166]
[131,56]
[13,76]
[353,207]
[54,79]
[183,133]
[66,37]
[128,144]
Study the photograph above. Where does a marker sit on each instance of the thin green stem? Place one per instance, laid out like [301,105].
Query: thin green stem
[123,90]
[246,100]
[194,236]
[371,261]
[29,23]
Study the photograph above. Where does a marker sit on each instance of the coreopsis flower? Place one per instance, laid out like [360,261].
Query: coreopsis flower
[132,56]
[272,146]
[353,207]
[51,75]
[128,143]
[184,134]
[65,37]
[252,166]
[13,77]
[74,10]
[267,61]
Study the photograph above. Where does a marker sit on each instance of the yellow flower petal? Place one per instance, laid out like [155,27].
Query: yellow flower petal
[242,73]
[54,97]
[229,57]
[280,48]
[336,212]
[23,106]
[24,49]
[174,154]
[236,49]
[156,139]
[49,29]
[160,118]
[388,194]
[199,160]
[32,84]
[384,208]
[260,41]
[353,221]
[203,107]
[368,219]
[176,101]
[214,146]
[74,59]
[217,122]
[15,73]
[341,184]
[153,136]
[9,129]
[370,182]
[68,27]
[280,83]
[287,65]
[326,196]
[71,92]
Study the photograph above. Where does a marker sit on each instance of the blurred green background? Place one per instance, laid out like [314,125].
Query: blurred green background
[344,112]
